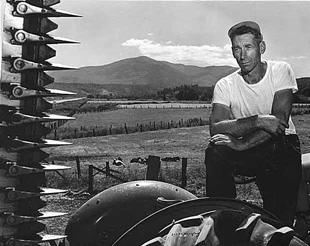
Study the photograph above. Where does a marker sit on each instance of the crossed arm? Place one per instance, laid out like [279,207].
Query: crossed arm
[245,133]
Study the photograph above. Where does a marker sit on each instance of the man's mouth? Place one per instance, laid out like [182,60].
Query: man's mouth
[245,63]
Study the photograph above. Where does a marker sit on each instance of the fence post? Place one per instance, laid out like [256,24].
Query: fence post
[110,129]
[90,178]
[184,177]
[153,167]
[107,167]
[78,166]
[126,130]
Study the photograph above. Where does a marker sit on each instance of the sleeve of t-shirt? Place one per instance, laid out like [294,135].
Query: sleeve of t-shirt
[221,93]
[285,78]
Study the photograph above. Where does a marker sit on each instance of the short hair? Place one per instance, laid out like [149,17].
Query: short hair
[246,29]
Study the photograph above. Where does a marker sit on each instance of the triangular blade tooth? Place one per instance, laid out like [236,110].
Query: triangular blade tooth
[50,142]
[45,143]
[36,131]
[18,118]
[20,65]
[34,156]
[19,92]
[35,105]
[12,194]
[60,92]
[22,37]
[44,79]
[12,219]
[66,100]
[18,170]
[54,167]
[45,52]
[47,25]
[55,66]
[59,40]
[47,215]
[50,191]
[37,79]
[27,242]
[60,13]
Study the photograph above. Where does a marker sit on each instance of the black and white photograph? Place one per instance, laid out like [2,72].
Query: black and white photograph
[151,122]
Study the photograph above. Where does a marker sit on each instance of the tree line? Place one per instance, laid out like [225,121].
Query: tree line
[187,92]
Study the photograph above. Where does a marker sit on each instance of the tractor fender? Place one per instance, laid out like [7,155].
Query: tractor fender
[106,216]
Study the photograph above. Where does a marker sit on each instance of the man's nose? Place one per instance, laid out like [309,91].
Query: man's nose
[242,53]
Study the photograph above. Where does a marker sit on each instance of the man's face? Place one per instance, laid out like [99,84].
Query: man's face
[247,52]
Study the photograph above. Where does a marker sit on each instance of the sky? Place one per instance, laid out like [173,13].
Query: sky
[187,32]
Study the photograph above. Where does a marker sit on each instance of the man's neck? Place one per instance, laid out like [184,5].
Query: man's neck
[255,75]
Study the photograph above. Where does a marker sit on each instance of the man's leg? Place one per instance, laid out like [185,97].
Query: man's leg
[219,172]
[279,182]
[222,162]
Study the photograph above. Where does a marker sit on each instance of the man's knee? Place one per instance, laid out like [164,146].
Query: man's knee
[215,152]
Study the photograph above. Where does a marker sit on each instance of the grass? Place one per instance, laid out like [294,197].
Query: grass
[183,142]
[135,116]
[124,121]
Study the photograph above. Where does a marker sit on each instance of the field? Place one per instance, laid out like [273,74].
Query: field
[136,116]
[183,142]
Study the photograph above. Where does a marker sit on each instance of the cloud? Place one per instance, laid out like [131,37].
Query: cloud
[205,55]
[294,58]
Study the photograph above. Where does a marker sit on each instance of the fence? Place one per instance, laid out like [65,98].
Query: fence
[84,131]
[152,172]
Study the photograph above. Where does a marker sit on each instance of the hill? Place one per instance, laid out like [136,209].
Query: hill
[137,75]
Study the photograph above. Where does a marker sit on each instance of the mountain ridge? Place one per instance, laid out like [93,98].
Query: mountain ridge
[144,70]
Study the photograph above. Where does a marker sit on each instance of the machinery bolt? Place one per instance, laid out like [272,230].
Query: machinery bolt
[20,36]
[22,8]
[17,91]
[19,64]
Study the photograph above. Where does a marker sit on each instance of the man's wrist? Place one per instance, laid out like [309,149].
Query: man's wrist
[255,121]
[259,122]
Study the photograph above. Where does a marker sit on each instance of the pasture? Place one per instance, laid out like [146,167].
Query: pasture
[132,116]
[183,142]
[131,120]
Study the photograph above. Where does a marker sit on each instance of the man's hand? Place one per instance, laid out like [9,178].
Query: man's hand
[272,124]
[229,141]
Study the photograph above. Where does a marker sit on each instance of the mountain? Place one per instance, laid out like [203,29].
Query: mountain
[138,75]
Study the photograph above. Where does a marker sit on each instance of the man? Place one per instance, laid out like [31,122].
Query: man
[251,128]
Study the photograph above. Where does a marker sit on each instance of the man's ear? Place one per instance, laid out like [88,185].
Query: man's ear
[262,47]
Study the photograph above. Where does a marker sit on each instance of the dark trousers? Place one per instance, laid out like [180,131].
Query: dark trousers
[276,165]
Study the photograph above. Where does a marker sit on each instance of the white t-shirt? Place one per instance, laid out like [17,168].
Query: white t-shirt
[245,99]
